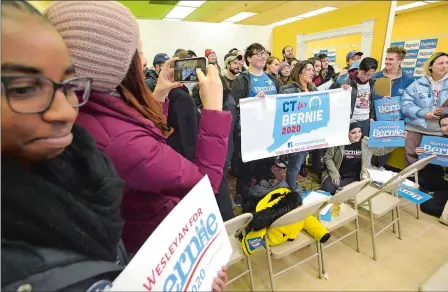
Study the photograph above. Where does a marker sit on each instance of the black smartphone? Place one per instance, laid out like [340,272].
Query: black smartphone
[185,69]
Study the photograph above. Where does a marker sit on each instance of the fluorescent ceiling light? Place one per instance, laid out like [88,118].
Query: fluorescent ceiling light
[240,16]
[410,5]
[432,1]
[285,21]
[190,3]
[180,12]
[172,19]
[317,12]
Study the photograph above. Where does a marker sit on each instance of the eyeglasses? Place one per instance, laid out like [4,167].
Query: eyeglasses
[29,94]
[260,54]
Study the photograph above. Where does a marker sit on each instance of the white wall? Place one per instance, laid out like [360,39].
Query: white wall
[159,36]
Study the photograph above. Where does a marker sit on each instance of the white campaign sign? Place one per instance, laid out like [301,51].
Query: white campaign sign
[287,123]
[185,252]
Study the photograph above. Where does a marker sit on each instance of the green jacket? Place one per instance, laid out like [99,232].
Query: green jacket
[334,155]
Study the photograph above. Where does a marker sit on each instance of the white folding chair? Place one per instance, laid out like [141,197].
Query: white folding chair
[302,240]
[379,202]
[233,227]
[418,165]
[346,215]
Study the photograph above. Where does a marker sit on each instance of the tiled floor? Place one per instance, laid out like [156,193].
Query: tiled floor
[402,264]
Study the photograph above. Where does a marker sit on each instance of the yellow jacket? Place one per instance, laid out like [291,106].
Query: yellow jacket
[278,235]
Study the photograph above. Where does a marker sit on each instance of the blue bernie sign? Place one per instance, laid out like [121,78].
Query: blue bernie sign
[413,195]
[387,134]
[388,109]
[435,145]
[295,115]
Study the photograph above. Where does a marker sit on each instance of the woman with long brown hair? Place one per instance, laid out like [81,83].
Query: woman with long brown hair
[127,120]
[302,76]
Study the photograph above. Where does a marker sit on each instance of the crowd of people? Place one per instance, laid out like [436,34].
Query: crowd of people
[98,146]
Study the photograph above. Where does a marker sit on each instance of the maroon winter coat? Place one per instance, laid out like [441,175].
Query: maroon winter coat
[156,176]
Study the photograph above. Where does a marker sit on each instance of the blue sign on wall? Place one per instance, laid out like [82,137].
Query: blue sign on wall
[387,134]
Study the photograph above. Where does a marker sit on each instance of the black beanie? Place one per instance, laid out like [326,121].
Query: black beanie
[354,125]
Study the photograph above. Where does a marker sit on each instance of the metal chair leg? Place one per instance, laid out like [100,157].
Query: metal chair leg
[418,211]
[268,253]
[398,223]
[358,249]
[394,229]
[319,259]
[251,275]
[372,229]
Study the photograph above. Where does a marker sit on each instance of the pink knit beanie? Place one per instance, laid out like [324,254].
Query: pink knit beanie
[102,37]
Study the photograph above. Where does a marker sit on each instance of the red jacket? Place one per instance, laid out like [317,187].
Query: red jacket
[156,176]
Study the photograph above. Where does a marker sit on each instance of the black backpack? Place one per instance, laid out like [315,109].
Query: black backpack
[27,268]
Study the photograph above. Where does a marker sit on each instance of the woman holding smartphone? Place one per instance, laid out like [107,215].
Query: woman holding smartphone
[61,196]
[127,121]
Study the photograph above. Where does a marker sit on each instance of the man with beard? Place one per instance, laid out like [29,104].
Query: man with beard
[232,63]
[288,53]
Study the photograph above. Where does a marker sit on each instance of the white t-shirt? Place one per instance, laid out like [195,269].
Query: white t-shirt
[361,112]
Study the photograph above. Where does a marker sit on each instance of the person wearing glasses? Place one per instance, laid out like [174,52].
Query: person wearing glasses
[302,76]
[327,72]
[61,221]
[253,83]
[363,92]
[60,195]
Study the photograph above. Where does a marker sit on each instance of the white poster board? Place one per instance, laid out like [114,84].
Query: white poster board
[185,252]
[287,123]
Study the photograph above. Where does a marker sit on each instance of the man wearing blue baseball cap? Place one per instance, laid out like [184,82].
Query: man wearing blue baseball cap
[352,57]
[153,74]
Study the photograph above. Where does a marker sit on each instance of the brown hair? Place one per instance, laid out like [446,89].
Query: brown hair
[269,61]
[298,70]
[135,93]
[400,51]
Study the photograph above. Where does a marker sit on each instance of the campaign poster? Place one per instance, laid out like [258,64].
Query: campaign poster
[388,109]
[435,145]
[413,195]
[387,134]
[185,252]
[418,52]
[288,123]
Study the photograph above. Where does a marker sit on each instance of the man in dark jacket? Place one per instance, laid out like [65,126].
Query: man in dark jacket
[153,74]
[253,83]
[232,63]
[327,73]
[363,93]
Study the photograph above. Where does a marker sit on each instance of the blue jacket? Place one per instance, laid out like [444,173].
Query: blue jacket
[417,100]
[399,86]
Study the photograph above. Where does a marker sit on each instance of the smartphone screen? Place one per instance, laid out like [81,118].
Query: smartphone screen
[185,69]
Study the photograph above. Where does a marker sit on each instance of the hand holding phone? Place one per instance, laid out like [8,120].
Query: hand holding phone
[185,69]
[165,82]
[210,88]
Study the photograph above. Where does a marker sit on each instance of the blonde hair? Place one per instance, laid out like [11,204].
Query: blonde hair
[431,61]
[400,51]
